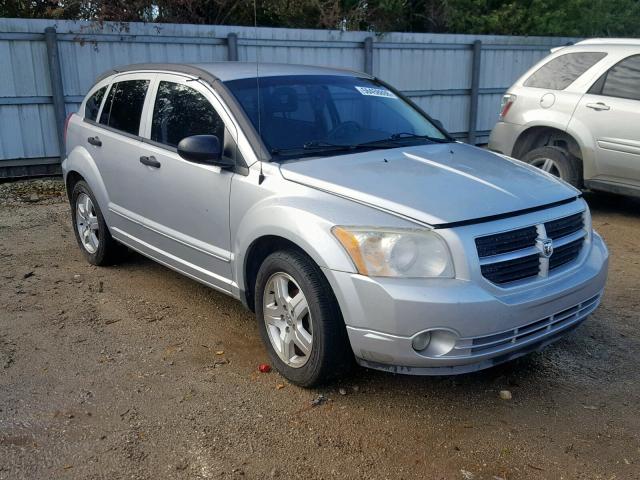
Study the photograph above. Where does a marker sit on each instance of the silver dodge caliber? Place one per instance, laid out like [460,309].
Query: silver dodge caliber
[337,210]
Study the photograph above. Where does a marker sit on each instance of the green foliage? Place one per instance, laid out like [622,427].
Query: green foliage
[582,18]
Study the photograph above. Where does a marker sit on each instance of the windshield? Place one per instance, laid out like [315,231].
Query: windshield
[306,114]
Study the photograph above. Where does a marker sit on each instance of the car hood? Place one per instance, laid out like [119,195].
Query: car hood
[434,184]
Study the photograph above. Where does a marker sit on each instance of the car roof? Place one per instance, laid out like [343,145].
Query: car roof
[621,45]
[236,70]
[226,71]
[610,41]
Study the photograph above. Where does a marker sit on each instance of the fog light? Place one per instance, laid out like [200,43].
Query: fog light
[421,341]
[434,343]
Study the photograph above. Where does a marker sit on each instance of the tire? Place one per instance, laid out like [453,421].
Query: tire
[556,161]
[330,353]
[106,250]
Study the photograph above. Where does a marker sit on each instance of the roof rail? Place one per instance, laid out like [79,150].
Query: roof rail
[610,41]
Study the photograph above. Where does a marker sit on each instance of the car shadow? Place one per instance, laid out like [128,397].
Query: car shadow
[609,203]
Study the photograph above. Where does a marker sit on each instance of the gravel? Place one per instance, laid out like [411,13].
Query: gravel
[42,190]
[138,372]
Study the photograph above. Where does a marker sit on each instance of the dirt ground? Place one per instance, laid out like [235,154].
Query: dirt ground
[136,372]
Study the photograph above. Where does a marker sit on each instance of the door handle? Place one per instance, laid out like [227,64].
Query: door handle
[598,106]
[150,161]
[95,141]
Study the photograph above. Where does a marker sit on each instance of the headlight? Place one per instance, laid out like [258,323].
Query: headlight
[378,252]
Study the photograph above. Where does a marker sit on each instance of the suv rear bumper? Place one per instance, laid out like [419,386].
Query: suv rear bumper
[503,137]
[475,329]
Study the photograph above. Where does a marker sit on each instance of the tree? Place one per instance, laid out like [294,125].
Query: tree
[582,18]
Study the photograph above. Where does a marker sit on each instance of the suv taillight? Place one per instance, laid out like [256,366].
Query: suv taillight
[507,101]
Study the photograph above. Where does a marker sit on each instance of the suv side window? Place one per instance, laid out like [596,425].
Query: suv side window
[622,80]
[92,106]
[123,107]
[562,71]
[180,111]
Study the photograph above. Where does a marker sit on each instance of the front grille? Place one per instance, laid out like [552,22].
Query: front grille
[564,226]
[512,270]
[565,254]
[517,254]
[506,242]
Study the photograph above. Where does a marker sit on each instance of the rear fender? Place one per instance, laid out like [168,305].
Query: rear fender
[79,160]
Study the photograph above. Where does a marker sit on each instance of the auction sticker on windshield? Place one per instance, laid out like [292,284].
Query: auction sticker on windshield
[376,92]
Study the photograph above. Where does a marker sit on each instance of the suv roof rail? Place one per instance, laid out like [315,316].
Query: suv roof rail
[610,41]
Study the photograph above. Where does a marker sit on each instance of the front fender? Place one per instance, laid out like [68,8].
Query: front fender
[309,231]
[298,213]
[80,161]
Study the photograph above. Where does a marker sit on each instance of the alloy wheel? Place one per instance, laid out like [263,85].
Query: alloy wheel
[87,223]
[547,165]
[288,319]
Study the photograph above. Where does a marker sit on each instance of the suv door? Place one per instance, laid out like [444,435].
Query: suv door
[184,214]
[611,112]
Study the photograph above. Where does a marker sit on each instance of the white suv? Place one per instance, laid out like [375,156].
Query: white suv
[576,114]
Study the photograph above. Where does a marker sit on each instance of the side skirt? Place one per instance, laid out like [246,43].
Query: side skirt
[194,272]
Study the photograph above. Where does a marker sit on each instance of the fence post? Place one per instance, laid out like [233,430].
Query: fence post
[232,47]
[475,90]
[368,55]
[57,89]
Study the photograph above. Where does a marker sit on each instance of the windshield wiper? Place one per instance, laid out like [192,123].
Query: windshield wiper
[402,135]
[319,146]
[384,143]
[395,140]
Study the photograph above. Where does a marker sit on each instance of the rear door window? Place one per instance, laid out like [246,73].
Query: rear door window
[92,106]
[123,107]
[562,71]
[622,80]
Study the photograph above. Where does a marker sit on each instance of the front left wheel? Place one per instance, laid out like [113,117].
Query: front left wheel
[90,229]
[299,319]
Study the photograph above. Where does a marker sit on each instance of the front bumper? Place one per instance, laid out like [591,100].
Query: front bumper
[481,328]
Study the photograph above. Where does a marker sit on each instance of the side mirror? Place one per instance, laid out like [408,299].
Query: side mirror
[438,123]
[203,149]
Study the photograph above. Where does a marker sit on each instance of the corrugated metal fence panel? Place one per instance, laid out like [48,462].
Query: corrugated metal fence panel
[415,69]
[433,69]
[25,129]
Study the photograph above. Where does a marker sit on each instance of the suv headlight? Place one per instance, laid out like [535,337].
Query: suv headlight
[382,252]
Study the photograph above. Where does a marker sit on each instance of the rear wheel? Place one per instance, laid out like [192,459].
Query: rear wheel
[299,319]
[558,162]
[90,229]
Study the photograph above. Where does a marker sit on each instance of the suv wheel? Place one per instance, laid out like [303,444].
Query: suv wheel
[299,319]
[90,229]
[558,162]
